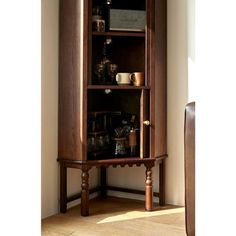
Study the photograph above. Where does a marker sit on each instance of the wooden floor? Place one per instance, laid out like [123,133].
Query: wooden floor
[116,216]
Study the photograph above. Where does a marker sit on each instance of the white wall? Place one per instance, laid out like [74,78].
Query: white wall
[192,78]
[49,166]
[177,98]
[216,116]
[20,117]
[131,178]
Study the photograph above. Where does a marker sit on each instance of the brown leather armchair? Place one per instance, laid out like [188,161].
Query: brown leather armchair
[189,156]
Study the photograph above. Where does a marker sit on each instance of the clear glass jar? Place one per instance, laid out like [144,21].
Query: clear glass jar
[119,146]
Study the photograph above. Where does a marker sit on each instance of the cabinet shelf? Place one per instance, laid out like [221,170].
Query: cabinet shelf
[114,161]
[121,160]
[118,87]
[120,34]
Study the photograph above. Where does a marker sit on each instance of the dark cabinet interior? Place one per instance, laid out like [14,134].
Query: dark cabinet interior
[113,52]
[119,50]
[111,117]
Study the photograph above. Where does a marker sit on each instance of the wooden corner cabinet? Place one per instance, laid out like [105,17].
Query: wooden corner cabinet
[112,92]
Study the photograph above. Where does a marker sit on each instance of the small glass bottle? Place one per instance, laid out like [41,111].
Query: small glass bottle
[107,14]
[106,62]
[98,24]
[132,142]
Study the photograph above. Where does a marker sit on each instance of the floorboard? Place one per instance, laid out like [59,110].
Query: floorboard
[116,216]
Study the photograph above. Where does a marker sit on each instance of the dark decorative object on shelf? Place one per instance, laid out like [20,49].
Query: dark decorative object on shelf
[127,20]
[107,14]
[98,24]
[105,71]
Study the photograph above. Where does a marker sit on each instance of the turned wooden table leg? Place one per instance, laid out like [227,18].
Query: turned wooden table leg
[85,192]
[103,180]
[63,188]
[149,191]
[162,183]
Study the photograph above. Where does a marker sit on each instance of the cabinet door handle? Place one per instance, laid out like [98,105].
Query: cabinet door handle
[147,123]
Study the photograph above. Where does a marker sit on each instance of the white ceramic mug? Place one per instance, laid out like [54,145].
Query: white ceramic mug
[123,78]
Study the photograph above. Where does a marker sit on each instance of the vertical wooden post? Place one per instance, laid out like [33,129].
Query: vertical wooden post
[144,129]
[63,188]
[103,179]
[149,191]
[85,192]
[162,183]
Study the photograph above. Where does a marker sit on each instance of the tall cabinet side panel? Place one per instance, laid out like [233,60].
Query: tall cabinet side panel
[161,77]
[71,134]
